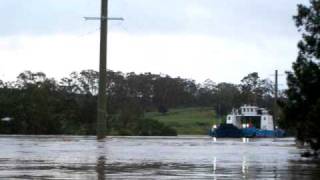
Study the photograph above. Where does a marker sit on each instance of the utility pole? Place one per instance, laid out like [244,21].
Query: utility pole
[275,113]
[102,96]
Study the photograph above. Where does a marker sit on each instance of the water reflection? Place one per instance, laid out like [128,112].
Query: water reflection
[214,168]
[245,167]
[100,169]
[31,157]
[214,165]
[101,160]
[245,140]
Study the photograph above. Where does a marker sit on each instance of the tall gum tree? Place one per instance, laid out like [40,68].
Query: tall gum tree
[302,109]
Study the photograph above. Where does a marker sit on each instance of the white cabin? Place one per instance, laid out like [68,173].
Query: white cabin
[248,116]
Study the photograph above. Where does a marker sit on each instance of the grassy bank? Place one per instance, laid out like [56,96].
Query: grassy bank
[188,121]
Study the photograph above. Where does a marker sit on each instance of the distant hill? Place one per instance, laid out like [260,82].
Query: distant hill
[187,121]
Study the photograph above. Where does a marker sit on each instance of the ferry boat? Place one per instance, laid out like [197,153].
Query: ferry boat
[247,121]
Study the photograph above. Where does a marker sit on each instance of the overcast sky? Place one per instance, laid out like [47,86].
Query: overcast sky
[221,40]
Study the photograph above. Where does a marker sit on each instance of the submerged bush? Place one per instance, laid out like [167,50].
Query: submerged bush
[151,127]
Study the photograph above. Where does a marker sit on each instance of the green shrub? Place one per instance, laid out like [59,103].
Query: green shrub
[151,127]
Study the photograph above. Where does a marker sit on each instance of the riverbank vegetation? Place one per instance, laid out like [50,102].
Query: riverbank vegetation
[302,108]
[187,121]
[138,104]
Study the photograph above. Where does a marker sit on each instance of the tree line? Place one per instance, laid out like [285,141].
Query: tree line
[301,110]
[37,104]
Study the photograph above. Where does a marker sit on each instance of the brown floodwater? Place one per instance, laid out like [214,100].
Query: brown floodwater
[182,157]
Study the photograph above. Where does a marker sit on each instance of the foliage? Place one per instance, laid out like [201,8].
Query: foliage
[151,127]
[302,108]
[162,109]
[187,120]
[227,96]
[255,90]
[42,105]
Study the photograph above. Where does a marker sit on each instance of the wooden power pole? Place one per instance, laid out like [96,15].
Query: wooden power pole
[102,95]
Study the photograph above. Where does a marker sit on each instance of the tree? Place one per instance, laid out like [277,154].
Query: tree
[226,97]
[206,93]
[256,91]
[89,81]
[41,105]
[302,108]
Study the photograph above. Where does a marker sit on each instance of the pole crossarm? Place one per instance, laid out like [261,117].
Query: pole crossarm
[108,18]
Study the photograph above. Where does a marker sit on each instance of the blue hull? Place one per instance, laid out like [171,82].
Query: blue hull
[230,131]
[268,133]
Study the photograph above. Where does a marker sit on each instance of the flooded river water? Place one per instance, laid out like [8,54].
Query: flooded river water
[186,157]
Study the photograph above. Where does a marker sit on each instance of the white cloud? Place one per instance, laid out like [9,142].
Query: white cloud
[189,56]
[199,57]
[56,55]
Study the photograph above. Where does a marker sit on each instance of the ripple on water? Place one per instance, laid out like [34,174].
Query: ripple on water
[188,157]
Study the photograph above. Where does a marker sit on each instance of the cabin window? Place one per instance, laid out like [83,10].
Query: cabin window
[264,118]
[259,111]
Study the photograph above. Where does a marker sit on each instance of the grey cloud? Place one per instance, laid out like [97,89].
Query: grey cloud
[231,18]
[44,16]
